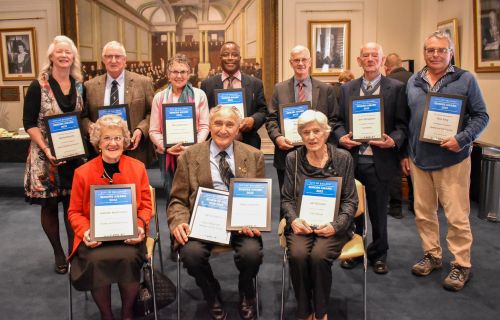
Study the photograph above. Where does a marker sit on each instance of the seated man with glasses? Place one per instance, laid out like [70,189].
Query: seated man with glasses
[118,86]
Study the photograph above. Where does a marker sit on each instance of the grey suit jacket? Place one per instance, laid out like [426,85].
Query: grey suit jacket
[193,171]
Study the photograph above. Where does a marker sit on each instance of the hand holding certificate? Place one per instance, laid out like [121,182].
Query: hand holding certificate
[318,203]
[289,115]
[366,118]
[65,136]
[179,124]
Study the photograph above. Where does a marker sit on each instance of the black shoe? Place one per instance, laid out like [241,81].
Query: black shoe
[350,263]
[396,214]
[216,310]
[61,269]
[380,267]
[247,309]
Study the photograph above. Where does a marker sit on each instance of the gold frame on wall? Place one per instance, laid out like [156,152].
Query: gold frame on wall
[334,60]
[451,27]
[486,36]
[9,38]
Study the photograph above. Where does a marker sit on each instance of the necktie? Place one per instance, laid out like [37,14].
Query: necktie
[113,97]
[224,169]
[301,92]
[369,86]
[230,82]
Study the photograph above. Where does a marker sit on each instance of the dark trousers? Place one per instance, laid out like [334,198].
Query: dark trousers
[395,198]
[247,257]
[311,259]
[377,194]
[281,180]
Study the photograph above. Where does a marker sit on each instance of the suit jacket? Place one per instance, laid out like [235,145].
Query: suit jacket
[255,102]
[400,74]
[193,171]
[131,171]
[138,95]
[323,99]
[396,114]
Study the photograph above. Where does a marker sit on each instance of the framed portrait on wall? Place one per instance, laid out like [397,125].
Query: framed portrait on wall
[18,54]
[329,43]
[487,35]
[451,28]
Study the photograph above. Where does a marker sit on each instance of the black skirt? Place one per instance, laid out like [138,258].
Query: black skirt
[111,262]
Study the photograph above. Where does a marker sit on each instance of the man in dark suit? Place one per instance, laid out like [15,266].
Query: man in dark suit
[131,88]
[201,165]
[321,95]
[231,77]
[378,160]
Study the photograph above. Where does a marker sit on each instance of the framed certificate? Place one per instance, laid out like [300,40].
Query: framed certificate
[65,136]
[443,117]
[179,124]
[318,203]
[209,216]
[366,118]
[249,204]
[232,97]
[117,109]
[289,116]
[113,212]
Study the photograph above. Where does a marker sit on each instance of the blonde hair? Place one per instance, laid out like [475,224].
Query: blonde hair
[109,121]
[76,72]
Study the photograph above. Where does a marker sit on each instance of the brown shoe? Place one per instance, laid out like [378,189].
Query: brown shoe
[426,265]
[457,278]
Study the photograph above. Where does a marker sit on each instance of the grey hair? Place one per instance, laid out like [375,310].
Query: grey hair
[300,49]
[181,59]
[310,116]
[221,108]
[441,35]
[76,72]
[109,121]
[114,45]
[372,45]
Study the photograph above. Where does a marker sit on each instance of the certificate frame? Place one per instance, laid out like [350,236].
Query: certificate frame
[109,109]
[282,108]
[133,204]
[351,122]
[222,91]
[49,119]
[337,195]
[194,215]
[164,107]
[233,213]
[426,114]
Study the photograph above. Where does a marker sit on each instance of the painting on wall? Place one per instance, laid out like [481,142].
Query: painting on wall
[451,28]
[487,35]
[329,43]
[18,54]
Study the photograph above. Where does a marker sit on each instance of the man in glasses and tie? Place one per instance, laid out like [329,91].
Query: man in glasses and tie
[376,161]
[233,78]
[118,86]
[212,164]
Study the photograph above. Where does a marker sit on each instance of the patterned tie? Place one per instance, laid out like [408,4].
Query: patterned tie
[224,169]
[302,92]
[113,98]
[369,86]
[230,82]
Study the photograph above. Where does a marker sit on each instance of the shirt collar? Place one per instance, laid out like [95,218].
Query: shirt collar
[215,150]
[237,75]
[120,79]
[374,81]
[307,81]
[425,71]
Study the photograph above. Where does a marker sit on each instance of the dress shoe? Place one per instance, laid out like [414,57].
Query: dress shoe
[380,267]
[395,213]
[247,309]
[216,310]
[61,269]
[350,263]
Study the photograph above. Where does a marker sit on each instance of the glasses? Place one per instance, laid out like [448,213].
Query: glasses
[116,139]
[297,61]
[111,56]
[431,51]
[177,73]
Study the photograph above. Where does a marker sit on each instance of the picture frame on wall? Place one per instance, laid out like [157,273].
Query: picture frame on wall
[18,54]
[486,35]
[451,28]
[329,43]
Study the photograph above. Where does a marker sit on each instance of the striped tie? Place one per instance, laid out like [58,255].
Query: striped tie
[113,98]
[302,92]
[224,169]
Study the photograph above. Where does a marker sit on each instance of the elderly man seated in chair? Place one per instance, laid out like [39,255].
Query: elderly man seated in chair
[212,164]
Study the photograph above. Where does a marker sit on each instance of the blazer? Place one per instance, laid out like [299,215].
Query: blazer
[396,113]
[255,101]
[193,171]
[132,171]
[139,97]
[323,99]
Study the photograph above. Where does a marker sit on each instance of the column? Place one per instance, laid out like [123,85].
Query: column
[200,41]
[207,59]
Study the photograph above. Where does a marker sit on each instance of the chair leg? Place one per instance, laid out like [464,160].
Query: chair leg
[155,310]
[257,301]
[70,293]
[178,286]
[160,254]
[282,308]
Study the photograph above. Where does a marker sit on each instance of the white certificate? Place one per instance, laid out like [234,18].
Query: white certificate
[113,213]
[366,118]
[442,118]
[250,204]
[289,115]
[179,124]
[319,205]
[65,136]
[232,97]
[209,217]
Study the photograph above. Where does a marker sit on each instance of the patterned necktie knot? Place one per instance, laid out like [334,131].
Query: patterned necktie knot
[369,86]
[224,169]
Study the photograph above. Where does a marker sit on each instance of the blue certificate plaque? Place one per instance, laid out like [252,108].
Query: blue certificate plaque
[118,109]
[289,115]
[366,118]
[179,124]
[443,117]
[209,216]
[113,212]
[249,204]
[65,136]
[319,203]
[233,98]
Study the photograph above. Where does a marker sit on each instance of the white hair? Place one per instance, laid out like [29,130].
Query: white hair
[300,49]
[76,72]
[114,45]
[313,116]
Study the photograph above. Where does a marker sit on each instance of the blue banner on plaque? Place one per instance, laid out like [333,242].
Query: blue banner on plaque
[250,189]
[61,124]
[178,113]
[113,197]
[446,105]
[119,111]
[320,188]
[366,106]
[230,97]
[213,201]
[291,113]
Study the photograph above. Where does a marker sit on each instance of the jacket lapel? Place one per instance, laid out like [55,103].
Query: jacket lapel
[240,161]
[291,91]
[315,93]
[129,88]
[99,91]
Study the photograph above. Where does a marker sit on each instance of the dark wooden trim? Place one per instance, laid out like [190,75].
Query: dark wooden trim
[69,19]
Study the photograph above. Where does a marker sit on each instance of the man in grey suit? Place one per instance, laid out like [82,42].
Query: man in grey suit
[118,86]
[321,95]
